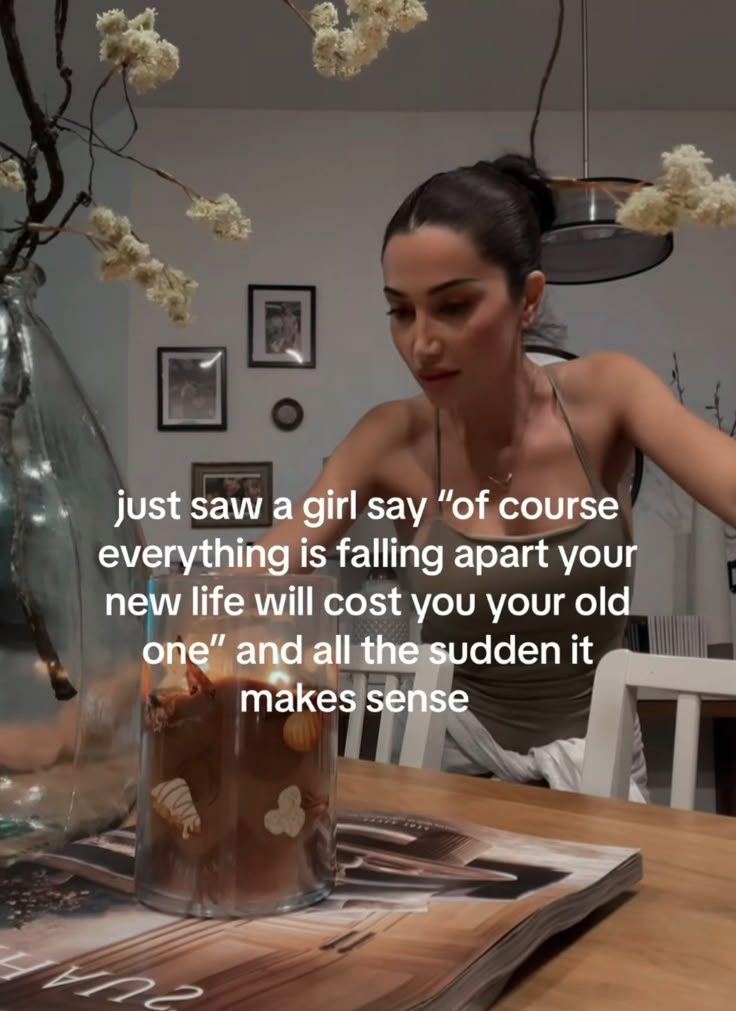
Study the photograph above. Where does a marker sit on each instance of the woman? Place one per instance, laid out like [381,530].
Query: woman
[461,262]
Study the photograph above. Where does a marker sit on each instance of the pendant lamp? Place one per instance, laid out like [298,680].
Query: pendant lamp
[586,245]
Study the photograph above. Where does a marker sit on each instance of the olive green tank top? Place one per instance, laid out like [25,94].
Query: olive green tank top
[528,704]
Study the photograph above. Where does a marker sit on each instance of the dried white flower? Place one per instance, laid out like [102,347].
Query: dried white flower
[109,225]
[373,34]
[223,215]
[136,46]
[412,13]
[157,68]
[113,22]
[326,51]
[685,192]
[11,176]
[173,290]
[324,15]
[145,22]
[344,52]
[123,257]
[362,8]
[685,169]
[714,204]
[146,274]
[648,210]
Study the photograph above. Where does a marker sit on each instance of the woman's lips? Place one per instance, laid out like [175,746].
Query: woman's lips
[433,378]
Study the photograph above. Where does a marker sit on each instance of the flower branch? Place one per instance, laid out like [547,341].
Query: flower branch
[98,91]
[714,409]
[344,52]
[61,14]
[685,192]
[42,135]
[222,213]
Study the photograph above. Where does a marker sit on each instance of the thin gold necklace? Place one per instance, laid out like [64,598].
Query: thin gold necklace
[504,482]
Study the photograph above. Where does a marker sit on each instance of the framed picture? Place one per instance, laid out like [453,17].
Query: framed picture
[281,326]
[192,389]
[232,494]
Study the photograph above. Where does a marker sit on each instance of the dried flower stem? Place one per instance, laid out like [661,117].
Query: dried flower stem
[98,91]
[300,14]
[96,141]
[61,13]
[676,378]
[715,407]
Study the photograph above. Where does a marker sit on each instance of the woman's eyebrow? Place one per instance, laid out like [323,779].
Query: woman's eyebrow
[434,290]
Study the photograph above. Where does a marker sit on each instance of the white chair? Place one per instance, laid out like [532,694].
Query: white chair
[424,730]
[609,740]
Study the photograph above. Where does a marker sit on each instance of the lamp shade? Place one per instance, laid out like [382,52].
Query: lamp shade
[586,245]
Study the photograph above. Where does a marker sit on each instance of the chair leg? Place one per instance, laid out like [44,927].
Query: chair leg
[724,762]
[685,753]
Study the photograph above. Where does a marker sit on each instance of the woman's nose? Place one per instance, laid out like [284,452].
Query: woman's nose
[426,342]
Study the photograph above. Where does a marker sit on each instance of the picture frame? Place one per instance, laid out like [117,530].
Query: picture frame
[231,484]
[192,389]
[282,321]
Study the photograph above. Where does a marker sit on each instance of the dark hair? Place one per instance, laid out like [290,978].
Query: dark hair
[503,205]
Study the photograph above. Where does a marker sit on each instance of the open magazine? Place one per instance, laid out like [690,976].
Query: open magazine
[425,914]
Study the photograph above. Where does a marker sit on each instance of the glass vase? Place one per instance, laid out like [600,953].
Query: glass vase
[69,673]
[236,810]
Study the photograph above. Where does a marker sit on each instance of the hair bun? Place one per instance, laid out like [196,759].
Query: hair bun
[525,172]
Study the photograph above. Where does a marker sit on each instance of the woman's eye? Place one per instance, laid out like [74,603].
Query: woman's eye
[400,312]
[456,308]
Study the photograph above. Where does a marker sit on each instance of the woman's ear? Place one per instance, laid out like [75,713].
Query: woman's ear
[532,297]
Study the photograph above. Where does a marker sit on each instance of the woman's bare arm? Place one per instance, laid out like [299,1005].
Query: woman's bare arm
[697,456]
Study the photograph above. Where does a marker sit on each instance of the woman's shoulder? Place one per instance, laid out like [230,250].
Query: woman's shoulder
[398,421]
[594,376]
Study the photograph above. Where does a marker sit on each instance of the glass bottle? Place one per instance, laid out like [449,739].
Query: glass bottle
[69,672]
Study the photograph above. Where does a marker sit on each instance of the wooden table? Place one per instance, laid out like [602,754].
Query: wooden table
[672,947]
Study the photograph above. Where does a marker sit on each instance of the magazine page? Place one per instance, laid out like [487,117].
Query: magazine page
[416,903]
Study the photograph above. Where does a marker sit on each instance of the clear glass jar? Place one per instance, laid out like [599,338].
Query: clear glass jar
[236,808]
[69,674]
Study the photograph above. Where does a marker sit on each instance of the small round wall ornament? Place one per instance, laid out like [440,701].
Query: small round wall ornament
[287,414]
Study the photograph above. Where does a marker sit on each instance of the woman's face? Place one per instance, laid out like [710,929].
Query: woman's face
[453,319]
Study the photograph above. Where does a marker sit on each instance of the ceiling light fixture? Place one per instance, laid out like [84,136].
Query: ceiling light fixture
[586,245]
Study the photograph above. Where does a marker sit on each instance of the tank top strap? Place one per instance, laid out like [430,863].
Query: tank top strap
[437,460]
[590,471]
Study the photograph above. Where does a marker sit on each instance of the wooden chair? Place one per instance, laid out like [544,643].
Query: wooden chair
[422,742]
[609,740]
